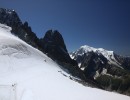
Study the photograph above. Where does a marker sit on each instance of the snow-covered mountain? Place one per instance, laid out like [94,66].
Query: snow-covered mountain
[105,67]
[28,74]
[117,60]
[109,55]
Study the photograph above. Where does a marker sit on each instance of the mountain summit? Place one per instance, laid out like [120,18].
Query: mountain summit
[53,45]
[110,56]
[104,67]
[9,17]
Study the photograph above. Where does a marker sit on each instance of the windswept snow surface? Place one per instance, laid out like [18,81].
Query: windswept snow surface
[37,77]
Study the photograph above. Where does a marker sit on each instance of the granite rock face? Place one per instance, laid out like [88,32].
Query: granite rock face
[22,30]
[55,47]
[9,17]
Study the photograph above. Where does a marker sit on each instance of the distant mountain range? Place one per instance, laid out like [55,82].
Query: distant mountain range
[106,68]
[95,67]
[104,56]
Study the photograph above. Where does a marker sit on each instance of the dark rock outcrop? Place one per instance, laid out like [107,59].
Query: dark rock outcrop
[23,31]
[10,18]
[54,46]
[93,62]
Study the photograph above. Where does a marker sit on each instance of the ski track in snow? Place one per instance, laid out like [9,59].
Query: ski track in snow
[37,79]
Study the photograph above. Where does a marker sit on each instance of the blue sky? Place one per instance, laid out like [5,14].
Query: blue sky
[97,23]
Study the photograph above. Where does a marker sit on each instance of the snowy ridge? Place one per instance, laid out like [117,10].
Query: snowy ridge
[86,49]
[37,77]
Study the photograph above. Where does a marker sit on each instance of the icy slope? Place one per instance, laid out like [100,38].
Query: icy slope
[34,76]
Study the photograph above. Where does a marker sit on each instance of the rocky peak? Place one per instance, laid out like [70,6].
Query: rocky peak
[9,17]
[54,46]
[55,38]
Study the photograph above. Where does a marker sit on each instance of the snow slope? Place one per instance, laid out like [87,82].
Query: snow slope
[34,76]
